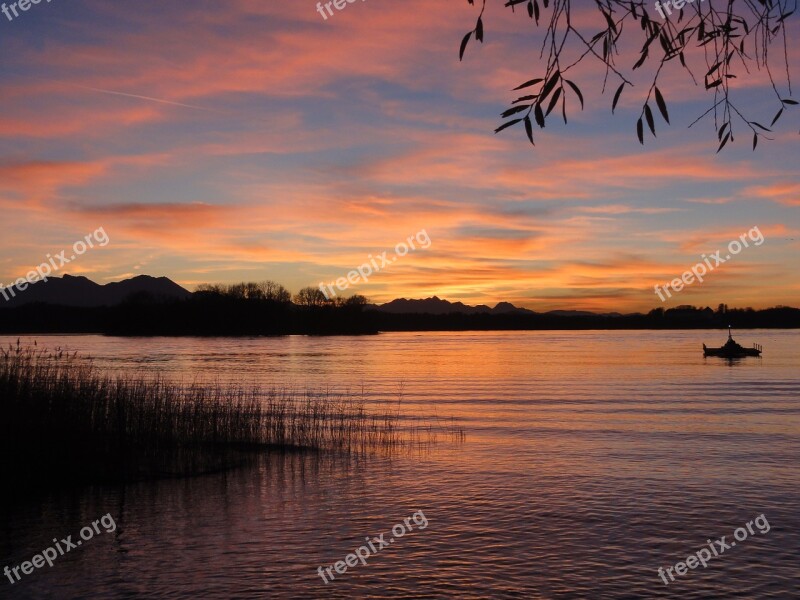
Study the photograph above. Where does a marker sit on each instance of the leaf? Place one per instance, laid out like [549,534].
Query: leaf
[525,98]
[464,46]
[507,124]
[551,84]
[553,101]
[662,106]
[514,110]
[722,129]
[724,141]
[755,140]
[479,30]
[649,116]
[576,90]
[641,60]
[528,84]
[616,97]
[640,131]
[610,21]
[760,126]
[788,101]
[539,115]
[529,129]
[778,116]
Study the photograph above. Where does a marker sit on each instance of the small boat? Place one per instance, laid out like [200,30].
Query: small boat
[732,350]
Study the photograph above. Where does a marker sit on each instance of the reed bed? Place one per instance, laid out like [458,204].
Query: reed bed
[62,416]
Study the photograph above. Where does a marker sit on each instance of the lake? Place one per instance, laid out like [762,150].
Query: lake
[591,459]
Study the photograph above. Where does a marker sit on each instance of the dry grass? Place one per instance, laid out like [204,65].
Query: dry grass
[61,416]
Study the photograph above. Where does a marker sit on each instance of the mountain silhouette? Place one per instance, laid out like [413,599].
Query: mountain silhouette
[147,305]
[437,306]
[81,292]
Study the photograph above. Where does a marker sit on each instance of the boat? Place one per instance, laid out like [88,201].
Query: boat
[731,349]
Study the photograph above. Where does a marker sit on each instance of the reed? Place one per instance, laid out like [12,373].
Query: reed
[63,417]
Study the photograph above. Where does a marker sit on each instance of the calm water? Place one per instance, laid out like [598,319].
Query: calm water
[591,459]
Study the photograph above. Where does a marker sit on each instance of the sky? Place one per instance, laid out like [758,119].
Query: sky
[250,140]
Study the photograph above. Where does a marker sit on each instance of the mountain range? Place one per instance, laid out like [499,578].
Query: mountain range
[437,306]
[82,292]
[79,291]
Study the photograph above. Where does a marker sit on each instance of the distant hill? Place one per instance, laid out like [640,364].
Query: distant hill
[157,306]
[82,292]
[437,306]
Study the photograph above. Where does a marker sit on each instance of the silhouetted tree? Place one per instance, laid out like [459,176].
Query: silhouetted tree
[717,44]
[276,292]
[265,290]
[310,296]
[357,300]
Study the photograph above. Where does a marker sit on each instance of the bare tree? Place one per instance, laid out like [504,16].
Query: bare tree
[724,43]
[276,292]
[265,290]
[310,296]
[354,301]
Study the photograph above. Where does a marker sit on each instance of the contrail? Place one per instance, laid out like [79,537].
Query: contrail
[141,97]
[113,93]
[150,98]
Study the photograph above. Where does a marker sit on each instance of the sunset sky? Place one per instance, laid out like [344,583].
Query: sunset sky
[251,140]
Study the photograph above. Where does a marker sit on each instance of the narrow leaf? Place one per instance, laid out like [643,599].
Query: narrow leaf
[576,90]
[539,115]
[553,101]
[528,84]
[464,46]
[724,141]
[662,106]
[507,124]
[514,110]
[616,97]
[529,129]
[649,116]
[551,84]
